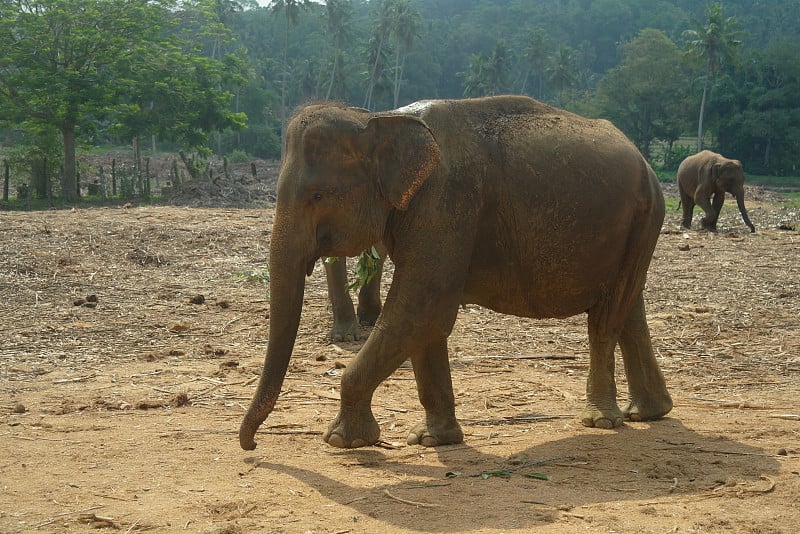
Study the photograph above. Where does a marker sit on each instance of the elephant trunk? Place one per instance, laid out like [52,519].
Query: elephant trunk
[743,210]
[287,282]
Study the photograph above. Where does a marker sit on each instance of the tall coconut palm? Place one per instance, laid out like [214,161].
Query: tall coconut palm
[291,12]
[488,74]
[536,58]
[381,31]
[405,23]
[476,78]
[561,71]
[714,42]
[339,15]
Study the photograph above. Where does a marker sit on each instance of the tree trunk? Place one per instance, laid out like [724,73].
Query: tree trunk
[703,108]
[333,74]
[6,179]
[396,76]
[137,164]
[371,87]
[69,182]
[283,84]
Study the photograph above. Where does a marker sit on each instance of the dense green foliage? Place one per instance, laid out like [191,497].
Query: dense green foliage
[133,67]
[632,61]
[659,69]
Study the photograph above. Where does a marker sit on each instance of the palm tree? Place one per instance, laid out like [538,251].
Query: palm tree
[381,30]
[499,64]
[488,75]
[715,43]
[536,56]
[476,78]
[405,22]
[561,71]
[291,12]
[340,13]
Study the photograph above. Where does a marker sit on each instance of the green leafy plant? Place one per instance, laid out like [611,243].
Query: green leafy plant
[258,275]
[366,268]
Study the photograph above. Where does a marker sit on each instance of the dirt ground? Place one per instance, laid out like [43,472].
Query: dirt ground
[122,389]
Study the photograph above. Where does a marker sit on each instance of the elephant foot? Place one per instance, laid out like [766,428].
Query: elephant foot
[594,417]
[711,227]
[353,432]
[368,315]
[648,409]
[432,435]
[344,331]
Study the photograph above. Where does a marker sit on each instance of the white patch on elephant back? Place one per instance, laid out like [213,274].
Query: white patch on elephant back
[415,108]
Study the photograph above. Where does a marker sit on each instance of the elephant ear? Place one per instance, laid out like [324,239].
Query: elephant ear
[404,153]
[715,171]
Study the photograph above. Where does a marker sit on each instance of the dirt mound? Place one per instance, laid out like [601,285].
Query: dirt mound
[241,184]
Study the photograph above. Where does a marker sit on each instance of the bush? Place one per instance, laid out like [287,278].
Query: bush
[674,156]
[238,156]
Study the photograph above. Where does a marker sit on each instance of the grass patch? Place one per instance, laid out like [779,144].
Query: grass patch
[260,276]
[790,183]
[671,203]
[794,199]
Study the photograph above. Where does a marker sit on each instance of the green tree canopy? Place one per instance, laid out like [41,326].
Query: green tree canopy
[67,63]
[712,42]
[644,95]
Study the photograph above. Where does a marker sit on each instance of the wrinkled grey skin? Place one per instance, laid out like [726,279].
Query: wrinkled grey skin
[703,179]
[346,318]
[503,202]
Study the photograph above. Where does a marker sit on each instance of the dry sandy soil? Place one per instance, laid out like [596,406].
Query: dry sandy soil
[122,412]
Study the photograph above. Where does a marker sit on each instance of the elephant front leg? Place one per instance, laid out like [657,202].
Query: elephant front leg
[355,425]
[709,222]
[345,324]
[649,398]
[435,388]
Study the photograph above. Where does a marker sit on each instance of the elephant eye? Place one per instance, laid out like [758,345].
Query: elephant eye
[316,197]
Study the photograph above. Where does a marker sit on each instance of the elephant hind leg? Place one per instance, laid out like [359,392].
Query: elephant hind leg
[435,388]
[601,409]
[369,296]
[688,209]
[619,318]
[345,325]
[649,398]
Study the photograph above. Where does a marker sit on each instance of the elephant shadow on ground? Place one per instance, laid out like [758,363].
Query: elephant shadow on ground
[466,487]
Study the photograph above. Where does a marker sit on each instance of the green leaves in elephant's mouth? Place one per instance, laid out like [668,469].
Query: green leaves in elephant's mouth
[367,267]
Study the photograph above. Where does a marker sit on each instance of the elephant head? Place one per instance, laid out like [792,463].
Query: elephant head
[344,173]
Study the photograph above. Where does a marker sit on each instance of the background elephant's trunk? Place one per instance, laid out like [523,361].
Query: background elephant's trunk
[743,211]
[287,281]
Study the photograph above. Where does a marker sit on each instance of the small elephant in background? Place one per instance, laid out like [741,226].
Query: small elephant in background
[705,175]
[347,318]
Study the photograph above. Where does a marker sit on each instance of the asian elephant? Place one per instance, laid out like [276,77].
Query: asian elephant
[503,202]
[346,318]
[705,175]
